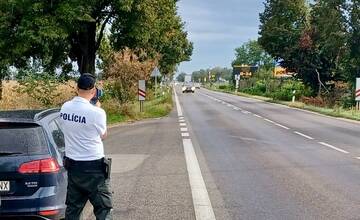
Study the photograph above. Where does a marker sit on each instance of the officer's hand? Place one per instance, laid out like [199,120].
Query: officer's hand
[98,104]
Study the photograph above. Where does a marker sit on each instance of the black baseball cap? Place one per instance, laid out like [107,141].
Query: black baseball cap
[86,81]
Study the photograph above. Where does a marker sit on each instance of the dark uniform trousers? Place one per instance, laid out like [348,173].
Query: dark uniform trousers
[87,181]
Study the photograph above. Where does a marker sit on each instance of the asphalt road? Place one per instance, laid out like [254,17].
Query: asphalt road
[258,161]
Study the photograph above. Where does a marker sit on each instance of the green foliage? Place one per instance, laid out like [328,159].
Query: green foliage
[217,73]
[282,23]
[41,87]
[153,27]
[318,41]
[285,92]
[181,77]
[57,32]
[251,53]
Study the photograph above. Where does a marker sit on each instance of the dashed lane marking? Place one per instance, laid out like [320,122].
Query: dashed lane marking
[304,135]
[182,124]
[268,120]
[258,116]
[333,147]
[185,134]
[281,126]
[183,129]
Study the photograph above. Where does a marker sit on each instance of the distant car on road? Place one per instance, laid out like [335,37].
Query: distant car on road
[197,85]
[188,87]
[33,180]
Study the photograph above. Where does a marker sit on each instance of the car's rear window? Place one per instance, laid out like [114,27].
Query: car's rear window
[22,139]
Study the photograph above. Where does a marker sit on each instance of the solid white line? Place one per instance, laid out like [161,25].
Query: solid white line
[304,135]
[182,124]
[185,135]
[334,148]
[282,126]
[201,200]
[183,129]
[258,116]
[357,158]
[178,107]
[245,112]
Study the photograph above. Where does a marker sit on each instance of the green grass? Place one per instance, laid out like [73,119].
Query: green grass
[334,112]
[158,107]
[115,118]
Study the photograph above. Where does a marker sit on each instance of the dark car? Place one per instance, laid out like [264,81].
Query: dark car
[32,177]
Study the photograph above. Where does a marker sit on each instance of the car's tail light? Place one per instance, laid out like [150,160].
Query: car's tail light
[49,212]
[48,165]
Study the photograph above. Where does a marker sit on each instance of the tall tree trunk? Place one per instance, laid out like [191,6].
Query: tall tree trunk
[87,53]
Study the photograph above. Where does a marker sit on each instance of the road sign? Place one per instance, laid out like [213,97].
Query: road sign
[155,72]
[142,90]
[357,91]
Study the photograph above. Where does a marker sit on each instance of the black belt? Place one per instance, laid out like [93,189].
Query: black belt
[84,166]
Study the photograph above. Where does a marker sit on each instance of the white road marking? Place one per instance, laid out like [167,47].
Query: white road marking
[268,120]
[245,112]
[236,109]
[258,116]
[304,135]
[228,105]
[183,124]
[282,126]
[185,135]
[334,148]
[183,129]
[178,107]
[201,200]
[181,120]
[357,158]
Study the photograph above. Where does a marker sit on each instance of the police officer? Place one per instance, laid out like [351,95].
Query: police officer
[84,127]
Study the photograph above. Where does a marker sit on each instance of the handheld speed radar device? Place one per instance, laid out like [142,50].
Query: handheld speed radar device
[97,96]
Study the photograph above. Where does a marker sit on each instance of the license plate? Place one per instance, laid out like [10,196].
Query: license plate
[4,186]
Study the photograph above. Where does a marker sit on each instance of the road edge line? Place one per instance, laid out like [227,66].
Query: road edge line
[200,196]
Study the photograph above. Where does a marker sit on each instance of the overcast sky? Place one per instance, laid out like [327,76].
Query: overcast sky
[217,27]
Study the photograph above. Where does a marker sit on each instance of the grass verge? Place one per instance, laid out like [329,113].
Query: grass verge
[155,108]
[351,114]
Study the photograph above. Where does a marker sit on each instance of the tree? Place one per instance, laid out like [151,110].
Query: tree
[251,53]
[181,77]
[54,31]
[217,72]
[153,28]
[282,24]
[322,46]
[353,64]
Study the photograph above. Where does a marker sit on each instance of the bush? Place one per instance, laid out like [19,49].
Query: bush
[40,87]
[285,92]
[258,89]
[315,101]
[123,71]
